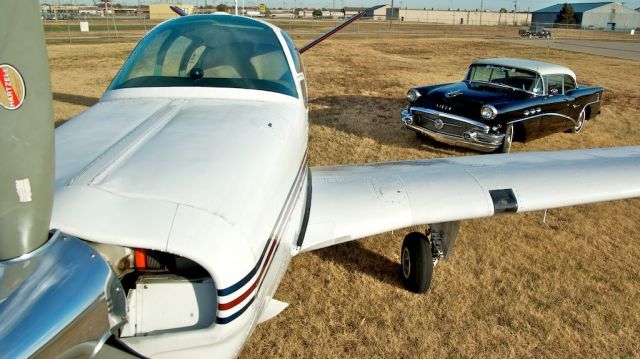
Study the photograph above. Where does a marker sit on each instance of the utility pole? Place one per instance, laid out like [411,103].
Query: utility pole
[391,18]
[481,5]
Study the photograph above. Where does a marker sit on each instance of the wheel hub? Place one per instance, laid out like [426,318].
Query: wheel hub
[406,263]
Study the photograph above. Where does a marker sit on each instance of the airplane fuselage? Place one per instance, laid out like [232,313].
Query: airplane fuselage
[125,177]
[239,218]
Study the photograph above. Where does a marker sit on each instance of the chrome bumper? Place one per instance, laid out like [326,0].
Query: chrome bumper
[475,140]
[61,300]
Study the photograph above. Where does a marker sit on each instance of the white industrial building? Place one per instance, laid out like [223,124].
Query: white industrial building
[598,15]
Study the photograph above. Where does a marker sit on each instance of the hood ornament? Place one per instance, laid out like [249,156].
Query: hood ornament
[453,94]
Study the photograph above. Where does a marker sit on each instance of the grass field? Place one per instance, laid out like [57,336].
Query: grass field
[514,287]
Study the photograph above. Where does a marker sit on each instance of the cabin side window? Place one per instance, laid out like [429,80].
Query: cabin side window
[297,61]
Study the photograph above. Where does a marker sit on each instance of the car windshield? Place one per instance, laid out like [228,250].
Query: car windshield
[503,76]
[209,51]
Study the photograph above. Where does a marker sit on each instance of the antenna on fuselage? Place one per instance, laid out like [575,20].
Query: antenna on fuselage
[178,10]
[339,27]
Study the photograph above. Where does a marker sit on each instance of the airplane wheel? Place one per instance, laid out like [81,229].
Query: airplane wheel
[416,262]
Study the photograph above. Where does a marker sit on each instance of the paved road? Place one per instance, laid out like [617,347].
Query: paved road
[621,49]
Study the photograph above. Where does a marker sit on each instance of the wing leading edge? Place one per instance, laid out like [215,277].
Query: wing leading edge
[352,202]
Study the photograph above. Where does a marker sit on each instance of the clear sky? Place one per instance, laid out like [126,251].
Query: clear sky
[522,5]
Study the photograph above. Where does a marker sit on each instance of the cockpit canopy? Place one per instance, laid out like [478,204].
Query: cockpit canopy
[209,51]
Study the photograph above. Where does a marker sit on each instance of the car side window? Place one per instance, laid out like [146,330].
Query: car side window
[554,85]
[569,84]
[538,88]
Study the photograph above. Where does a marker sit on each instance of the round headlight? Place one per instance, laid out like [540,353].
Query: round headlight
[488,112]
[413,95]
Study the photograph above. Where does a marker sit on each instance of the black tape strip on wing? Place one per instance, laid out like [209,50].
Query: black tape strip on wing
[504,201]
[339,27]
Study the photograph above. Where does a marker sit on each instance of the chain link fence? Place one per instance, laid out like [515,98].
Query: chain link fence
[108,29]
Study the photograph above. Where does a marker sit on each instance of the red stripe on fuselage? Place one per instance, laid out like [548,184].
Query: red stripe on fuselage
[233,303]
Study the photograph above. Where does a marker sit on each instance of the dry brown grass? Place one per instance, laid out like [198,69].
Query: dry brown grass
[513,288]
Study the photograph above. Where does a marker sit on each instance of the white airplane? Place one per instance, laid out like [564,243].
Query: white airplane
[182,195]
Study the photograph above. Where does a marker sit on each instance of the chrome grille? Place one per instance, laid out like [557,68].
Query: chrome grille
[450,126]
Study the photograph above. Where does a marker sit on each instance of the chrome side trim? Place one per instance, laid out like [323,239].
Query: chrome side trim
[62,298]
[484,127]
[540,115]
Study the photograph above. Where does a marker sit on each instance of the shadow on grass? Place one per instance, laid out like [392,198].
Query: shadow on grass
[353,257]
[75,99]
[377,118]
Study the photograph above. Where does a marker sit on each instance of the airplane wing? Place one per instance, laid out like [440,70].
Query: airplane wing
[352,202]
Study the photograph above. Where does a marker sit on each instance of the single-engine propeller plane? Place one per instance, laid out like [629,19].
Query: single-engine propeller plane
[182,195]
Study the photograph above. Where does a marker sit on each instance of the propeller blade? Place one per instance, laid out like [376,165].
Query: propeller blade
[26,131]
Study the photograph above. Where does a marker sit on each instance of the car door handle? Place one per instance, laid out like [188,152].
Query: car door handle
[575,106]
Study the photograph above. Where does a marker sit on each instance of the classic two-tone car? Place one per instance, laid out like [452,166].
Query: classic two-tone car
[501,101]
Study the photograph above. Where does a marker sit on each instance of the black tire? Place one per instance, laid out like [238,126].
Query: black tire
[416,262]
[508,140]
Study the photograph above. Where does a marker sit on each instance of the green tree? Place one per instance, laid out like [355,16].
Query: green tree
[317,13]
[222,7]
[566,15]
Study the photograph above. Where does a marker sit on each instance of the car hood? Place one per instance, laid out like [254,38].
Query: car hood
[466,99]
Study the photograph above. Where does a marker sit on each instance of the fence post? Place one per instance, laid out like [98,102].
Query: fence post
[115,27]
[69,31]
[108,31]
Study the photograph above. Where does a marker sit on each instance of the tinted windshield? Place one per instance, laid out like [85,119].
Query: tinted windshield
[209,51]
[507,76]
